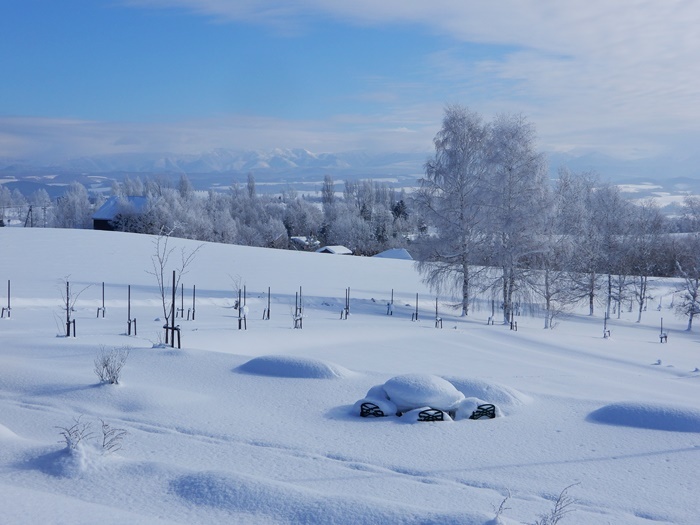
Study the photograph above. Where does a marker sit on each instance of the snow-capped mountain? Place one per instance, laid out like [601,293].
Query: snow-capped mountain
[223,160]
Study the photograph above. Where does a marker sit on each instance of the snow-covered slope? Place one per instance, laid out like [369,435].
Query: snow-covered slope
[256,426]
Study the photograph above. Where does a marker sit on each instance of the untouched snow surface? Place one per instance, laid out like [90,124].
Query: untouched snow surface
[260,426]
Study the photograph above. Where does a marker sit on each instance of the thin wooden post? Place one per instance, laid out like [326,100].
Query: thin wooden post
[298,310]
[606,331]
[68,309]
[172,316]
[102,309]
[266,313]
[129,320]
[7,308]
[663,336]
[242,321]
[194,287]
[438,319]
[414,317]
[346,310]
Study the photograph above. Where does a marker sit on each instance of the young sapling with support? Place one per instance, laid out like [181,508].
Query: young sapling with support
[346,310]
[438,319]
[298,314]
[102,310]
[70,297]
[129,320]
[266,311]
[7,308]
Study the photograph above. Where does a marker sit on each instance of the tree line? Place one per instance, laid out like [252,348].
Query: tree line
[486,221]
[500,227]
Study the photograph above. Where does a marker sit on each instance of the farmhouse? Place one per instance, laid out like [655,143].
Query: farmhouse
[118,212]
[335,250]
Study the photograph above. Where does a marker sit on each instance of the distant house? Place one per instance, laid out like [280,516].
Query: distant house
[116,213]
[395,253]
[335,250]
[304,243]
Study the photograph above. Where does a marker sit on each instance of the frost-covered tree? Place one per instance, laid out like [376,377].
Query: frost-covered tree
[689,304]
[73,209]
[516,198]
[644,244]
[301,218]
[451,199]
[688,264]
[549,278]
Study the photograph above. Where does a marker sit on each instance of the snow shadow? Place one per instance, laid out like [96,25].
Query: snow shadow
[286,503]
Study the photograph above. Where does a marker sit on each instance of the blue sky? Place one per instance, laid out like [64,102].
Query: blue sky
[89,77]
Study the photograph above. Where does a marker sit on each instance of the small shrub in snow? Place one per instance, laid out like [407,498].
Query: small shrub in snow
[562,507]
[109,364]
[500,510]
[76,435]
[111,438]
[79,434]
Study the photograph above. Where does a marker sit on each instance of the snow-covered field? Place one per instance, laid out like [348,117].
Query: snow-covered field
[218,436]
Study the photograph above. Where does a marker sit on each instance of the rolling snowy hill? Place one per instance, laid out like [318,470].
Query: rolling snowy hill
[257,426]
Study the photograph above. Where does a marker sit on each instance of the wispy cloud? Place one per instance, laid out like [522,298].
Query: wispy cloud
[609,71]
[55,140]
[617,77]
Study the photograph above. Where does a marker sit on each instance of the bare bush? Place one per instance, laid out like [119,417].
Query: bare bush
[109,364]
[562,507]
[76,434]
[80,433]
[501,508]
[111,438]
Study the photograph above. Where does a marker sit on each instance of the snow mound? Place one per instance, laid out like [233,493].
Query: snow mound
[647,415]
[298,367]
[503,396]
[278,502]
[417,390]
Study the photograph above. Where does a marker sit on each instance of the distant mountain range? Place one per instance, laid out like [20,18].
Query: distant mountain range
[231,161]
[280,168]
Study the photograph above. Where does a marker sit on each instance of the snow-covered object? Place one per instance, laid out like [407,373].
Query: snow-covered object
[466,408]
[377,392]
[419,390]
[299,367]
[413,416]
[502,396]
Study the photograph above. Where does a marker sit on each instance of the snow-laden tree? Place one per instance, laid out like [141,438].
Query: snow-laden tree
[516,199]
[301,218]
[73,209]
[688,264]
[452,199]
[644,244]
[549,278]
[689,304]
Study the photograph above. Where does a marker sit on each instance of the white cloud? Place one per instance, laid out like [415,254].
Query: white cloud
[29,138]
[599,73]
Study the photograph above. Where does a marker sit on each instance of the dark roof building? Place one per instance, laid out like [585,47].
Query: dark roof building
[116,210]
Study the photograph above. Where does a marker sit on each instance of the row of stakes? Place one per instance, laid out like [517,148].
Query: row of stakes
[172,330]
